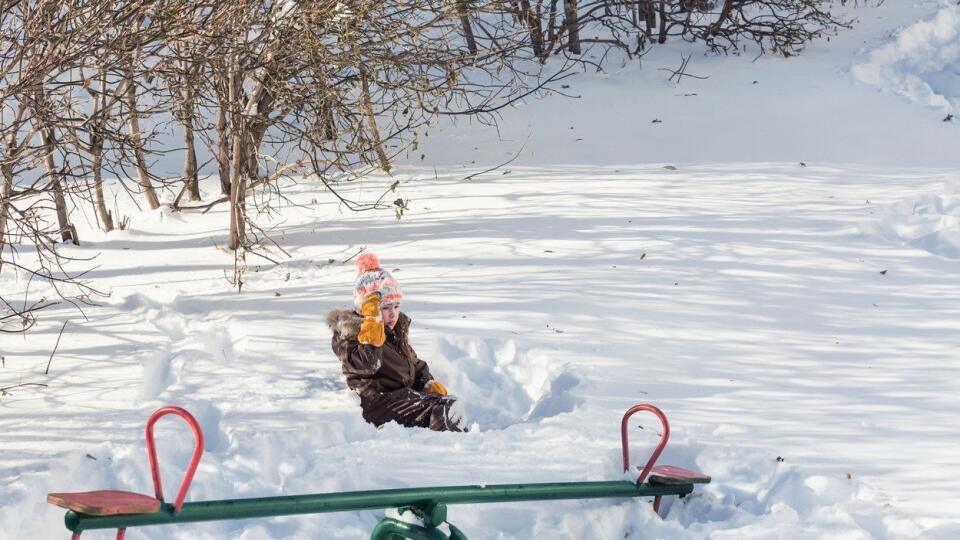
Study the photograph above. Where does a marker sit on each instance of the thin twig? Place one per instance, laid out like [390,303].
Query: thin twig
[47,372]
[364,248]
[3,391]
[511,160]
[682,71]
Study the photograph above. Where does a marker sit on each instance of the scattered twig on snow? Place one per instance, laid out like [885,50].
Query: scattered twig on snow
[345,261]
[47,371]
[682,71]
[3,391]
[511,160]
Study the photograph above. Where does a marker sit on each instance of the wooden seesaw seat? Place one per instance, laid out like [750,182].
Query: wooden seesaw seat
[114,503]
[671,475]
[106,502]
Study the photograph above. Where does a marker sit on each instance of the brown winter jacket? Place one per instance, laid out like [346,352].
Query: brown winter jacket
[369,369]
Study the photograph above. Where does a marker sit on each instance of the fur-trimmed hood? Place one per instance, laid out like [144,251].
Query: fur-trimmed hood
[346,322]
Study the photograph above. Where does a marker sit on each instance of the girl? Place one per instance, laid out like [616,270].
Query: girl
[379,363]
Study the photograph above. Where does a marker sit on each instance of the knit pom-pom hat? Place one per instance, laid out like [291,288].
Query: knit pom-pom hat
[372,278]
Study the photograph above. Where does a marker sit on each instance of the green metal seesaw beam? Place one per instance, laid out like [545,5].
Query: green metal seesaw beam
[375,499]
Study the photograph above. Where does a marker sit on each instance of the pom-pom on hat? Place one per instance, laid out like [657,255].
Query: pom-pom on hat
[372,278]
[367,262]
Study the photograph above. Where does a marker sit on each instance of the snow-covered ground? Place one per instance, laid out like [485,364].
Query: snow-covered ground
[799,323]
[860,98]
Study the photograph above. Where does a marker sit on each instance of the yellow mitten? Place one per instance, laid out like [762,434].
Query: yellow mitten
[371,329]
[371,305]
[436,387]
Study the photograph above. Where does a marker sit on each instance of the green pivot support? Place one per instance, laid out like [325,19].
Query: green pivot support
[432,514]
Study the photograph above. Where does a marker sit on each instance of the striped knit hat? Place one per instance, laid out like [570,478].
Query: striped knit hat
[372,278]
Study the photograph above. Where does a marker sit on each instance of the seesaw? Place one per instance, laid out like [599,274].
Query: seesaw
[123,509]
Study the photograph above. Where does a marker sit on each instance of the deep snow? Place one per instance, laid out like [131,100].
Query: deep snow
[808,312]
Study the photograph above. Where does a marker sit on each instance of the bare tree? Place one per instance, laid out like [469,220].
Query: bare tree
[346,84]
[185,72]
[336,89]
[776,26]
[44,48]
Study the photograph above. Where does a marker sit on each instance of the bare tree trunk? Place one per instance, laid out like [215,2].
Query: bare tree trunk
[329,124]
[190,164]
[464,9]
[67,231]
[190,174]
[572,24]
[552,33]
[96,152]
[714,29]
[256,128]
[265,102]
[143,177]
[650,16]
[237,178]
[663,22]
[7,170]
[367,109]
[533,26]
[223,149]
[251,145]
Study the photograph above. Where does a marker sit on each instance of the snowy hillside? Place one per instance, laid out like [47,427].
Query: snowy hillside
[775,264]
[874,95]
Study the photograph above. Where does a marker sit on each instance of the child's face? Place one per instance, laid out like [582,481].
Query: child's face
[390,313]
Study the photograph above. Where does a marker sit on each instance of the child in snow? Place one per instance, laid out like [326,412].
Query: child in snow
[378,361]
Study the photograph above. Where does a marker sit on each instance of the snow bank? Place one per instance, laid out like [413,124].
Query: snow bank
[930,222]
[922,63]
[501,384]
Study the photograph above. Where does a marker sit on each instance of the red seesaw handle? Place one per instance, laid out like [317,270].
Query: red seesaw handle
[625,444]
[194,460]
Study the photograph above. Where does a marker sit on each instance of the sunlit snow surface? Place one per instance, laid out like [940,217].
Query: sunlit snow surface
[746,301]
